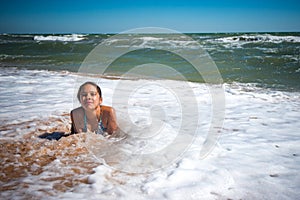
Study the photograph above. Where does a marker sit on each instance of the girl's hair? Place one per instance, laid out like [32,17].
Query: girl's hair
[89,83]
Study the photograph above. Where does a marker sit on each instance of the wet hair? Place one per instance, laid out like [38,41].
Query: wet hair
[89,83]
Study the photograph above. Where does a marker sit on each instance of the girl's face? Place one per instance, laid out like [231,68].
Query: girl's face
[89,97]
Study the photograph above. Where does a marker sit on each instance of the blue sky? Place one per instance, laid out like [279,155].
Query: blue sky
[114,16]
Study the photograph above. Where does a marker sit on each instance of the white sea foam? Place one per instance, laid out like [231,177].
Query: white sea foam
[256,153]
[240,40]
[63,38]
[33,94]
[256,157]
[151,41]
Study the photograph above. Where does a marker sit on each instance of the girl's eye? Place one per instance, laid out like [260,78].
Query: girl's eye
[92,94]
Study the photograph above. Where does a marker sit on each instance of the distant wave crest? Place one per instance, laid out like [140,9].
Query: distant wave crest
[259,38]
[64,38]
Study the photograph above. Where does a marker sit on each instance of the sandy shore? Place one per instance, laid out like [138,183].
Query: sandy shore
[50,157]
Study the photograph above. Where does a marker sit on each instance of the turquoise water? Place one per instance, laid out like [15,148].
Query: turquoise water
[267,59]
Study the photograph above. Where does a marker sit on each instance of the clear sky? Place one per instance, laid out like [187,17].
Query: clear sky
[114,16]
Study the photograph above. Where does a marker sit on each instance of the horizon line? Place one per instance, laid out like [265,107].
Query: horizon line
[114,33]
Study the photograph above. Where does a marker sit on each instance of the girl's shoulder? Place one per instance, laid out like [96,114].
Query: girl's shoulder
[77,111]
[107,109]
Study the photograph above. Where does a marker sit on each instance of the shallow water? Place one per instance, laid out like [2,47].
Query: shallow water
[256,155]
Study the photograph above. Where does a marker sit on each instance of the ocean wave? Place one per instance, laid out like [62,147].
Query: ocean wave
[158,41]
[7,56]
[63,38]
[259,39]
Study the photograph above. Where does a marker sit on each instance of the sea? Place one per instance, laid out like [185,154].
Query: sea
[270,60]
[201,116]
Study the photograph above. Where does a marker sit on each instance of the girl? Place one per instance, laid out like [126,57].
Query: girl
[92,116]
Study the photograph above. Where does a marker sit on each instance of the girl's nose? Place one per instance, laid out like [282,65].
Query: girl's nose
[89,96]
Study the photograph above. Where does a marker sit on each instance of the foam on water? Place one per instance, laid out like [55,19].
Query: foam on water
[256,157]
[257,152]
[157,40]
[259,38]
[63,38]
[33,94]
